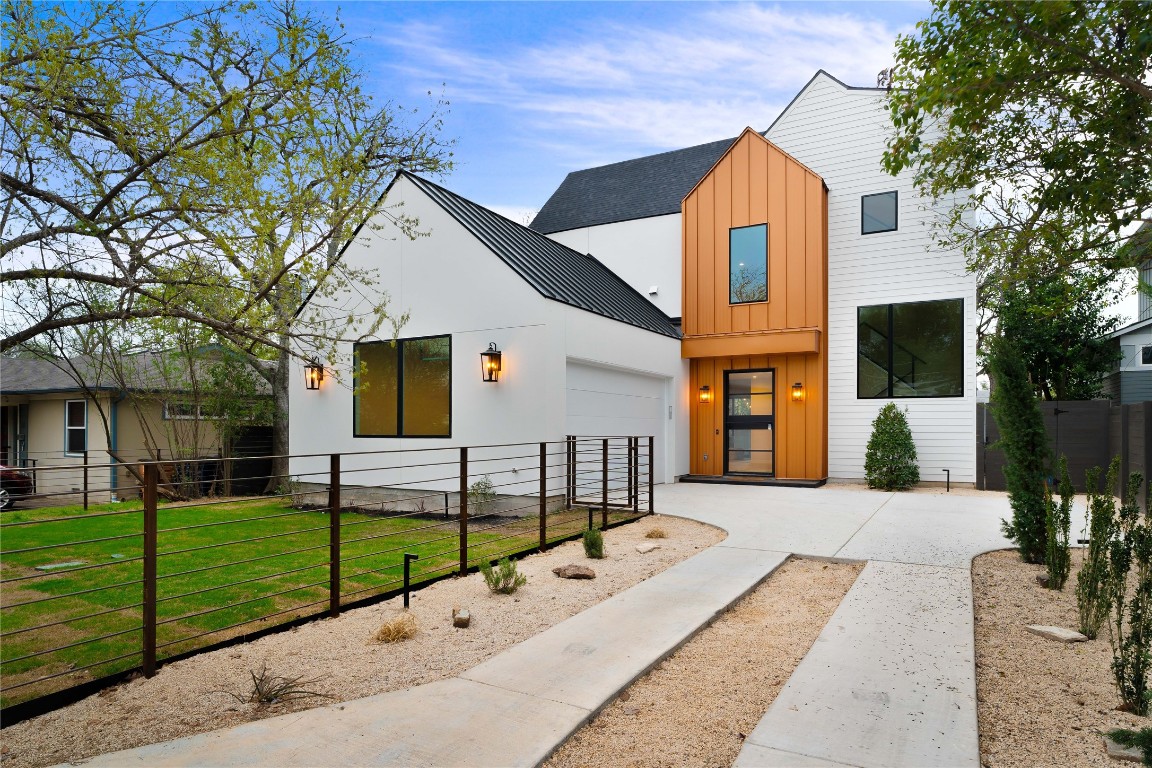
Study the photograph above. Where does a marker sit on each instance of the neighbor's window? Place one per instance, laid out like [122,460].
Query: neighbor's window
[910,350]
[75,426]
[1146,354]
[748,264]
[403,388]
[878,213]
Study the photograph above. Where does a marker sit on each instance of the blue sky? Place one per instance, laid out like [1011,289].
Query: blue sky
[541,89]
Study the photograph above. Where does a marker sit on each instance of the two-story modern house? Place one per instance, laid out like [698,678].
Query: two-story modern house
[750,302]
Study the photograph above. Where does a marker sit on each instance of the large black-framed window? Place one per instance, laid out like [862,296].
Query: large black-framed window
[748,264]
[910,350]
[879,213]
[403,388]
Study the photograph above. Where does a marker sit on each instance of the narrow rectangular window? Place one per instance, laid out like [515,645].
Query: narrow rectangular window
[878,213]
[910,350]
[1146,354]
[403,388]
[748,264]
[75,426]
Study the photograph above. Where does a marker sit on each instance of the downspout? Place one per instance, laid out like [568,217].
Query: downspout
[113,448]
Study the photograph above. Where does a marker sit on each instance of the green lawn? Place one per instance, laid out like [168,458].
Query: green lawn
[212,582]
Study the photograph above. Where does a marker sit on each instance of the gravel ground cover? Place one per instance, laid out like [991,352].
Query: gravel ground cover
[341,656]
[1041,703]
[697,707]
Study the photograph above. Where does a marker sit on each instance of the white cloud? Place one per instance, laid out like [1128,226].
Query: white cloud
[704,76]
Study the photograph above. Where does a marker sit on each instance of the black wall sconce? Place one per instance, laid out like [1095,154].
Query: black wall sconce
[797,392]
[313,375]
[705,394]
[490,363]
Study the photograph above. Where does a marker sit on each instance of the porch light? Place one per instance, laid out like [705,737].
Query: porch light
[705,394]
[490,363]
[797,392]
[313,375]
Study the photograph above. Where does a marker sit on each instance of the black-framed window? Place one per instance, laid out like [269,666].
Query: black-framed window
[748,264]
[75,426]
[910,350]
[1146,354]
[403,388]
[878,213]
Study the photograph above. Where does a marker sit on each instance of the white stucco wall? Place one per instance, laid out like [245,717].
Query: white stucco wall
[840,133]
[450,283]
[643,252]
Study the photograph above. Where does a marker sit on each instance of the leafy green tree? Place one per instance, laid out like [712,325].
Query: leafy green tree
[1034,115]
[1058,324]
[1025,445]
[206,169]
[890,458]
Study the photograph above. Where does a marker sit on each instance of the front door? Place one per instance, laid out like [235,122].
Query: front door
[749,412]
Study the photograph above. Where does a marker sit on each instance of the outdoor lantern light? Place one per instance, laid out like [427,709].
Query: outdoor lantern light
[705,394]
[797,392]
[313,375]
[490,363]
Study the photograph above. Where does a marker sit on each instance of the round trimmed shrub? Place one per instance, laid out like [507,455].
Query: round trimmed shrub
[890,460]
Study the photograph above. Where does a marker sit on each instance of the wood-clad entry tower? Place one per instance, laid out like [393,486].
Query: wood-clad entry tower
[776,331]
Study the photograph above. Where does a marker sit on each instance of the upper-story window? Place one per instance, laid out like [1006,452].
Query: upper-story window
[403,388]
[878,213]
[75,426]
[910,350]
[748,264]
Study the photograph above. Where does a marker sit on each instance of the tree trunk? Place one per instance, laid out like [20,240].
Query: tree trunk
[279,381]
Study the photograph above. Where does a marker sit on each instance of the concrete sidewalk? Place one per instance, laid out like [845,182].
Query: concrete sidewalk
[889,682]
[513,709]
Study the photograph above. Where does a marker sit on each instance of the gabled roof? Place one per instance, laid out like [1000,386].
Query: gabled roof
[1139,325]
[632,189]
[556,271]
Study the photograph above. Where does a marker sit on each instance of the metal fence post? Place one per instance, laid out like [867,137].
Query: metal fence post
[651,477]
[543,495]
[604,484]
[634,471]
[334,536]
[148,661]
[463,511]
[85,480]
[569,471]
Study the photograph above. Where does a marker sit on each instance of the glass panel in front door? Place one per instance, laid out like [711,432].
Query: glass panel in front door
[750,451]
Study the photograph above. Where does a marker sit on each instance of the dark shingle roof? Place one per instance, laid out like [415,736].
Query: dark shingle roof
[556,271]
[633,189]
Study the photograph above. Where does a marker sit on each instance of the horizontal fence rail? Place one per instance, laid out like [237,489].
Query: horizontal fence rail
[92,592]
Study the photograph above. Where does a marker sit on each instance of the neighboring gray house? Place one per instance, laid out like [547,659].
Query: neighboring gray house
[1132,381]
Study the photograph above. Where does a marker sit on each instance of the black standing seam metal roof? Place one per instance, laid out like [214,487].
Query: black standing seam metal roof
[556,271]
[633,189]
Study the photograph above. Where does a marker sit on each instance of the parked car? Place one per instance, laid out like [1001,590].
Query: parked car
[14,486]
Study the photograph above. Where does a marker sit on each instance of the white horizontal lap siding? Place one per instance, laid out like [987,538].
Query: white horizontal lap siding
[643,252]
[840,134]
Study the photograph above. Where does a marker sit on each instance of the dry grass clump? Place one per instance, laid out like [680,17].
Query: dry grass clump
[269,689]
[402,626]
[656,533]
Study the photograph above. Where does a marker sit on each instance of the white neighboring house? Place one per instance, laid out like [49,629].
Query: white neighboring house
[582,352]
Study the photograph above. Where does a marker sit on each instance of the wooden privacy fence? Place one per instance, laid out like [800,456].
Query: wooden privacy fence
[1089,432]
[89,595]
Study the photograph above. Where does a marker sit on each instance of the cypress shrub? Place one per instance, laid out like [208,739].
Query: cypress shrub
[1025,446]
[1093,599]
[1130,630]
[890,459]
[1058,558]
[594,544]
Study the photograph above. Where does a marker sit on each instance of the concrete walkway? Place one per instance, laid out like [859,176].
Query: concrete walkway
[889,682]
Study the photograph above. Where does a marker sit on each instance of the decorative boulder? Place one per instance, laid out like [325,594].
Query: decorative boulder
[574,572]
[461,618]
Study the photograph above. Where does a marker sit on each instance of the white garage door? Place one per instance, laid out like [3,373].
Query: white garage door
[606,401]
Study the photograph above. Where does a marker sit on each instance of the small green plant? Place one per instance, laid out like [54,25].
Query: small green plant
[481,495]
[504,578]
[890,459]
[594,544]
[269,689]
[1141,738]
[1130,628]
[1092,595]
[1058,558]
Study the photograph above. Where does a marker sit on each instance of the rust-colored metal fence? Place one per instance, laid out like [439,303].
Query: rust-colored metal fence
[90,593]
